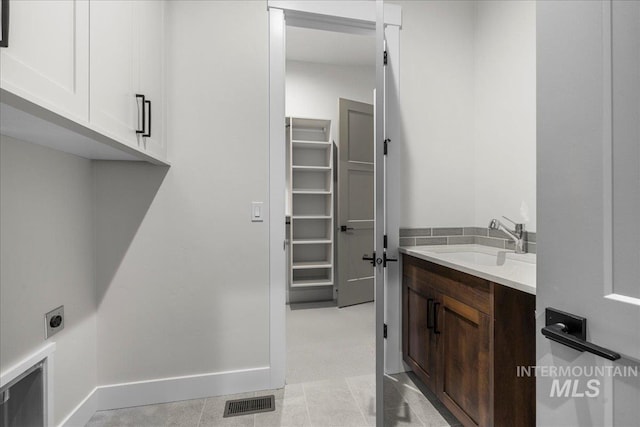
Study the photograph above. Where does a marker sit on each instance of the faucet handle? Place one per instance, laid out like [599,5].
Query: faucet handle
[510,220]
[519,226]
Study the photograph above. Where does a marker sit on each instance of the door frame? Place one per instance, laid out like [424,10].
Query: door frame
[356,16]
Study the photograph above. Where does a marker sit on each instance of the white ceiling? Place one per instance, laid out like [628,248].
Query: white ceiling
[329,47]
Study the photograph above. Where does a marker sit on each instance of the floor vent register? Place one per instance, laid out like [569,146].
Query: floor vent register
[251,405]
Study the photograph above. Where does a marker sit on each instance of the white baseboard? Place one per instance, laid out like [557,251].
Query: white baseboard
[82,413]
[183,388]
[168,390]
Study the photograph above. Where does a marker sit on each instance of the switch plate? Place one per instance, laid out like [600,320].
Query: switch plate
[53,322]
[257,211]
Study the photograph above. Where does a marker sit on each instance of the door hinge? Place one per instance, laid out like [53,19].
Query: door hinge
[386,143]
[384,331]
[385,58]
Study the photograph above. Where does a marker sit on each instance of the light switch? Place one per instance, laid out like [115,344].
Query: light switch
[256,211]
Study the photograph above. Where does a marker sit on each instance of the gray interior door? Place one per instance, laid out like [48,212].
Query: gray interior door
[588,98]
[355,203]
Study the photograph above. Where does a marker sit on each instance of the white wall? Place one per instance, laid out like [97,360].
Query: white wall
[313,89]
[505,111]
[46,260]
[467,77]
[436,82]
[183,274]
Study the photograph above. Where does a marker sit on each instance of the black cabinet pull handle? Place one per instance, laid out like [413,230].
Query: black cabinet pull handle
[571,330]
[429,308]
[435,318]
[144,114]
[148,132]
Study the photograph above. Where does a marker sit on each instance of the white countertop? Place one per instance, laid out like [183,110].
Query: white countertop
[518,271]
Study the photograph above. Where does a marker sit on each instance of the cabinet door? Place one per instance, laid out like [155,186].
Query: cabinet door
[150,19]
[48,54]
[464,363]
[419,341]
[114,109]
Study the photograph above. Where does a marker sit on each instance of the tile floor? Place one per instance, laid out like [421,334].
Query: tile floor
[325,342]
[330,382]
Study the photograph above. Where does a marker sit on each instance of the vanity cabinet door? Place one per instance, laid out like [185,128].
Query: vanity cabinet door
[420,346]
[464,362]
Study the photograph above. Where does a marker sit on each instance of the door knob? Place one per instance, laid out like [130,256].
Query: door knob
[571,330]
[372,259]
[344,228]
[385,260]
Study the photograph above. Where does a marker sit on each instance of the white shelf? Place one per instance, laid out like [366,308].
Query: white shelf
[312,242]
[311,283]
[318,145]
[310,192]
[310,264]
[311,168]
[311,200]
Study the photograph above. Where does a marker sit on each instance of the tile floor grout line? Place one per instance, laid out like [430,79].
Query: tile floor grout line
[306,403]
[201,412]
[346,380]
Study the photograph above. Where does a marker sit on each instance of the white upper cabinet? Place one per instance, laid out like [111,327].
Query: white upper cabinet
[48,55]
[126,72]
[150,19]
[114,108]
[98,66]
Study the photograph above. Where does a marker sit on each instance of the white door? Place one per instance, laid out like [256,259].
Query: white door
[47,58]
[588,96]
[355,203]
[379,209]
[114,109]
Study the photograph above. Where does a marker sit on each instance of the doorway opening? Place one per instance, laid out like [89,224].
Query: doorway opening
[330,319]
[353,18]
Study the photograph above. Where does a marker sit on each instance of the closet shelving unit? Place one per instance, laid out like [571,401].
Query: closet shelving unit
[311,193]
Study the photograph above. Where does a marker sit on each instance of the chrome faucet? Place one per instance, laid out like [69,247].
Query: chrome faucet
[517,235]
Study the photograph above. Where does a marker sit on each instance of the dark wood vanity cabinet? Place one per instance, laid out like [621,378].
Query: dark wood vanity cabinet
[420,343]
[464,337]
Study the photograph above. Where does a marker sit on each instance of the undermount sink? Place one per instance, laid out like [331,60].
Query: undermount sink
[478,258]
[481,256]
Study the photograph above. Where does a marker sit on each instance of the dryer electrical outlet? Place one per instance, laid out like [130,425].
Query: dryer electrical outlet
[53,322]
